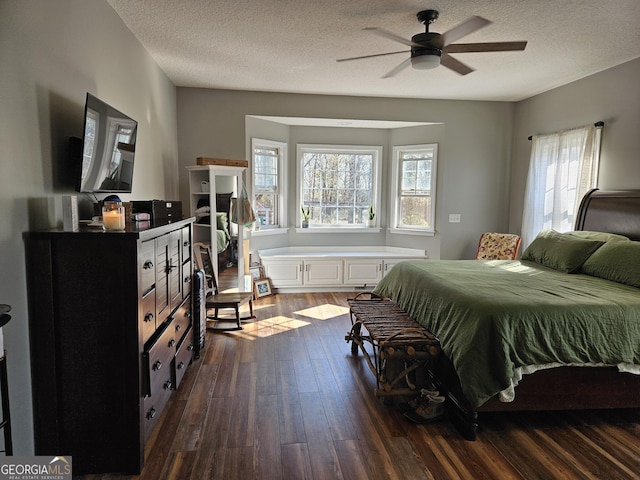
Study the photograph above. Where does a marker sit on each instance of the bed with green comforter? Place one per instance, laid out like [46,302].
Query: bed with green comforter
[495,318]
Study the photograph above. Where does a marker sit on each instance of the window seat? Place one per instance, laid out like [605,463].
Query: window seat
[331,269]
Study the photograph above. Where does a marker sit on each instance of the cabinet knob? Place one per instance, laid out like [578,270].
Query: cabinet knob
[168,385]
[190,346]
[178,327]
[186,243]
[157,365]
[180,366]
[187,279]
[148,317]
[172,342]
[147,265]
[151,413]
[187,314]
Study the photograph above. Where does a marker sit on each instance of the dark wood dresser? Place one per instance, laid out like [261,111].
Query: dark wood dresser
[111,337]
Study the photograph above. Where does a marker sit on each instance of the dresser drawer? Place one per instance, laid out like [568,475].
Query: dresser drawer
[146,265]
[183,358]
[182,319]
[153,407]
[158,360]
[148,315]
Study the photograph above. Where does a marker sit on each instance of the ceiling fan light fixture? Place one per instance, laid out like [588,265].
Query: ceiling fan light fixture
[425,62]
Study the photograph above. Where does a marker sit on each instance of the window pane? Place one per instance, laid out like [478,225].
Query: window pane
[337,186]
[415,212]
[266,209]
[266,194]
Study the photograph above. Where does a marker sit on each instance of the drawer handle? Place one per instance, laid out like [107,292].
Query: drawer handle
[172,342]
[157,365]
[151,413]
[180,366]
[148,317]
[147,265]
[168,385]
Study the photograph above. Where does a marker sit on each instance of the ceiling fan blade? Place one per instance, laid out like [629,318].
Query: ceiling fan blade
[455,65]
[465,28]
[371,56]
[404,64]
[392,36]
[485,47]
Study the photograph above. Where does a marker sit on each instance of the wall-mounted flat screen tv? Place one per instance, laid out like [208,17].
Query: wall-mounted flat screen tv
[108,149]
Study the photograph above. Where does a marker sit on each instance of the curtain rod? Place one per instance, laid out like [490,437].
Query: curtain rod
[599,124]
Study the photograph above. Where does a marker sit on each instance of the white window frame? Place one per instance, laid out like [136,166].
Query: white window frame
[374,150]
[282,148]
[397,153]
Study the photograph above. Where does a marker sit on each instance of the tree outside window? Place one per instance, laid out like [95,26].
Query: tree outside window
[338,184]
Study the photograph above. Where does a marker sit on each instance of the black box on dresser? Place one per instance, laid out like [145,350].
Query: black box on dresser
[159,209]
[111,337]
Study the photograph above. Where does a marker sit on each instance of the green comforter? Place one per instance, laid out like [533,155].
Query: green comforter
[493,317]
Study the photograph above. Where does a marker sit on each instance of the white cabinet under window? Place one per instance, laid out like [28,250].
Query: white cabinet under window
[284,272]
[362,271]
[323,272]
[306,269]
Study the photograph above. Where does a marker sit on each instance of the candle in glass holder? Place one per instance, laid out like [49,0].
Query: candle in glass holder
[113,216]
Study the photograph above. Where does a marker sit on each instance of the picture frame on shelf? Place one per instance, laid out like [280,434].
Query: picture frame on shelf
[257,272]
[262,288]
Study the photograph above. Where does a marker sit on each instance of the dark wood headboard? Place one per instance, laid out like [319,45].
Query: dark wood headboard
[610,211]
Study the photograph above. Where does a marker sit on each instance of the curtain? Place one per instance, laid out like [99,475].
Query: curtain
[562,169]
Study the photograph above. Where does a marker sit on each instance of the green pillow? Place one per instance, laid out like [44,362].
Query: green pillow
[616,261]
[560,251]
[604,236]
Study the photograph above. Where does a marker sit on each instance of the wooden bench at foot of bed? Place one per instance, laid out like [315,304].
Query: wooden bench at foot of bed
[401,348]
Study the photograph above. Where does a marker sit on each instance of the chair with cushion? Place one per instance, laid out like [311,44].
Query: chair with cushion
[217,301]
[498,246]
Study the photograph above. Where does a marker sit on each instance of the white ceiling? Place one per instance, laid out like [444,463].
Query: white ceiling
[292,45]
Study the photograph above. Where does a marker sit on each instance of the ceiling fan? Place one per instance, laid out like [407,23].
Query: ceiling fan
[430,49]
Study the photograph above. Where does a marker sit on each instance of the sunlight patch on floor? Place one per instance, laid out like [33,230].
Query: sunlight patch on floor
[323,312]
[270,326]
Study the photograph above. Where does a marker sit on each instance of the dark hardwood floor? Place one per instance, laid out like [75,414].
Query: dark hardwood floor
[285,399]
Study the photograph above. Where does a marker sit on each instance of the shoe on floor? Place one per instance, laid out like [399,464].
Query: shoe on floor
[415,402]
[428,411]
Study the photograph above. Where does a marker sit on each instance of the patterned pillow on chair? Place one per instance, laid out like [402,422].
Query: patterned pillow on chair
[498,246]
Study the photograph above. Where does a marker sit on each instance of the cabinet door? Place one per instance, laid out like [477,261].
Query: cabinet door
[323,272]
[362,271]
[174,269]
[162,279]
[283,273]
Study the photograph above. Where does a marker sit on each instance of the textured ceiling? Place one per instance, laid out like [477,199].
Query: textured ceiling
[292,45]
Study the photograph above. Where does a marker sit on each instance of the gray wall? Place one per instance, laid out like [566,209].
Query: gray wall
[612,96]
[473,156]
[51,54]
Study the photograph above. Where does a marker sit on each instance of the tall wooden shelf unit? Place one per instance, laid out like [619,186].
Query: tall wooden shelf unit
[207,232]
